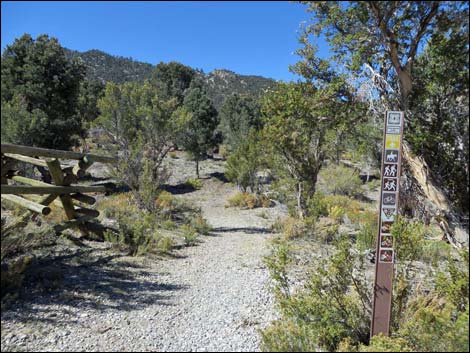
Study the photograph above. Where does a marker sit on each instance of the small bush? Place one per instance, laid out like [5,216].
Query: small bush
[195,184]
[165,202]
[168,224]
[246,200]
[165,244]
[317,207]
[201,225]
[435,252]
[290,227]
[341,180]
[114,205]
[373,184]
[336,212]
[368,228]
[189,234]
[223,152]
[138,234]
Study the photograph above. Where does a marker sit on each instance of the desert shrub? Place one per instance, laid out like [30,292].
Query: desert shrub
[293,228]
[317,206]
[189,234]
[435,251]
[13,275]
[223,151]
[201,225]
[246,200]
[331,306]
[373,184]
[336,212]
[138,234]
[168,224]
[341,180]
[331,311]
[453,283]
[165,202]
[165,244]
[142,126]
[368,228]
[114,205]
[245,162]
[435,325]
[377,343]
[193,183]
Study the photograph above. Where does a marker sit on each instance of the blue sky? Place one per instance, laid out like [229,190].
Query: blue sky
[251,38]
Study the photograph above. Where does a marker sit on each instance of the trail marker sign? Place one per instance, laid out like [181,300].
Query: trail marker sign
[389,192]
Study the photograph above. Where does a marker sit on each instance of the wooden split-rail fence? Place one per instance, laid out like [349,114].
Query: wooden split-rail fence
[37,196]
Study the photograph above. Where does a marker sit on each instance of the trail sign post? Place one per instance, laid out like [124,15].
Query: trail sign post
[389,191]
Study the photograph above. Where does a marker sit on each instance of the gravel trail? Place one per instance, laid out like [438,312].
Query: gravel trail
[210,297]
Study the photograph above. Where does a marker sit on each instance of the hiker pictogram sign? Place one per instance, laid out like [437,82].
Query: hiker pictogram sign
[389,192]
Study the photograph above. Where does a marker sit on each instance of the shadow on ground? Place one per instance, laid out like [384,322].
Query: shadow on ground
[219,176]
[85,279]
[249,230]
[179,189]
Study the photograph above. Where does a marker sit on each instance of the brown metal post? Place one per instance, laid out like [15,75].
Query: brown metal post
[388,210]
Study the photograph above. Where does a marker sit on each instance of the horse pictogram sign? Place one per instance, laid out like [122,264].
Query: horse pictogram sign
[391,162]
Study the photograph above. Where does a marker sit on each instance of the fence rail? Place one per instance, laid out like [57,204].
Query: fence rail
[63,191]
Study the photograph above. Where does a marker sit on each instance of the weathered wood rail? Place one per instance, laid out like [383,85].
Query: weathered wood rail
[64,190]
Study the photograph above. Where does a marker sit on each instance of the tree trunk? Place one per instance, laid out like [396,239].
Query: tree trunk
[197,167]
[441,209]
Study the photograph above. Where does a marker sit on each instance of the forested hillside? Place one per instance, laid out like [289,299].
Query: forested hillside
[239,213]
[221,83]
[103,67]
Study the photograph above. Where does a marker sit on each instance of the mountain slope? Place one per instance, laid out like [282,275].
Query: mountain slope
[220,83]
[105,67]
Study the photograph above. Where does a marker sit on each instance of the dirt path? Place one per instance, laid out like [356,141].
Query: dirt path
[209,297]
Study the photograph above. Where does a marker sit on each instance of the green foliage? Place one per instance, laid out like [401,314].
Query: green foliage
[412,55]
[109,68]
[331,311]
[341,180]
[439,129]
[198,124]
[382,343]
[189,234]
[195,184]
[245,200]
[454,283]
[201,225]
[137,234]
[90,93]
[141,126]
[222,84]
[317,206]
[243,165]
[435,252]
[331,306]
[434,325]
[40,90]
[238,115]
[296,119]
[172,80]
[368,226]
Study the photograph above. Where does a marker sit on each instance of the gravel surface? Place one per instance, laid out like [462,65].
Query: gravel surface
[210,297]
